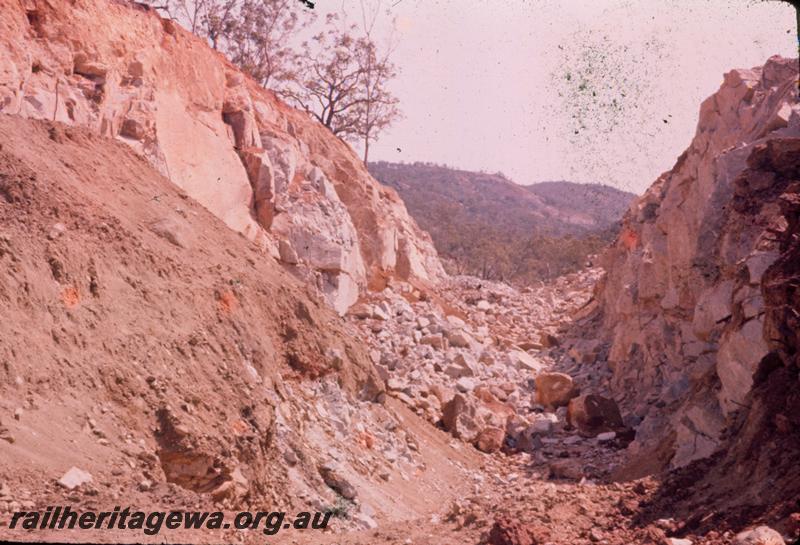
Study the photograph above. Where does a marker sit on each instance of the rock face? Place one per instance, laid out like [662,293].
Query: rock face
[682,303]
[265,169]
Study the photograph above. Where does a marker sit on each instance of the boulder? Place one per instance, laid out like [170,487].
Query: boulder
[555,390]
[436,341]
[542,424]
[523,361]
[287,253]
[458,417]
[593,414]
[332,474]
[760,535]
[566,469]
[362,311]
[467,363]
[465,384]
[460,338]
[490,439]
[548,340]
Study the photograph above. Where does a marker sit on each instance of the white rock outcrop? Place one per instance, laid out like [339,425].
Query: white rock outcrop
[265,169]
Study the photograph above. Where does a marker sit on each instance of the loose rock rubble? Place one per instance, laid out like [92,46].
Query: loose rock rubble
[477,358]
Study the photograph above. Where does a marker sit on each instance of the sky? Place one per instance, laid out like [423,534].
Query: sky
[601,91]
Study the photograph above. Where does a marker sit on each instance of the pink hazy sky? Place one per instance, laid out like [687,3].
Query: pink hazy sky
[480,81]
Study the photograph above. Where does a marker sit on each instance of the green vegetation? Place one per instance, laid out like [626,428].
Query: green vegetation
[487,226]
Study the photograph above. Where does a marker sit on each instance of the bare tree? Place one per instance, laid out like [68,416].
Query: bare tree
[339,76]
[344,85]
[326,79]
[255,34]
[260,41]
[210,19]
[380,108]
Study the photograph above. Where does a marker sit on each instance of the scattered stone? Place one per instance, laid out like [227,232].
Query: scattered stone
[465,384]
[606,436]
[332,475]
[380,313]
[436,341]
[365,521]
[56,231]
[548,340]
[74,478]
[467,363]
[566,469]
[679,541]
[596,535]
[6,435]
[459,338]
[395,384]
[523,361]
[543,424]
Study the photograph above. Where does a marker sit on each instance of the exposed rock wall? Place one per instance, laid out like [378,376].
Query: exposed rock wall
[682,303]
[267,170]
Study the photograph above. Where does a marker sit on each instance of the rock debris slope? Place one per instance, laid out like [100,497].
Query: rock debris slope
[266,170]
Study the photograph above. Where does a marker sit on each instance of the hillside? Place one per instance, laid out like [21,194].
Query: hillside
[488,226]
[267,170]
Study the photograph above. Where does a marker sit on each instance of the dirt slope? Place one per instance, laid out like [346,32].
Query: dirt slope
[145,342]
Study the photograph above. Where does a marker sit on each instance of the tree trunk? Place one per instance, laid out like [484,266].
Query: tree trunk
[366,150]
